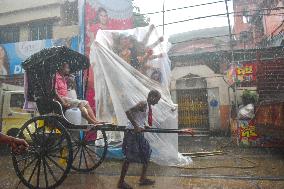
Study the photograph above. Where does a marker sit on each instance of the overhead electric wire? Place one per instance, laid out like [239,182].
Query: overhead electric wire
[201,38]
[180,8]
[222,14]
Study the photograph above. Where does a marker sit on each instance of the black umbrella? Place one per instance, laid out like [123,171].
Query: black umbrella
[53,58]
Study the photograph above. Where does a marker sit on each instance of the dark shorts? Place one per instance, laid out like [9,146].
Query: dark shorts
[135,147]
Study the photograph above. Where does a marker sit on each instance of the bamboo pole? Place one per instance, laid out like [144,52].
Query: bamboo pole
[147,130]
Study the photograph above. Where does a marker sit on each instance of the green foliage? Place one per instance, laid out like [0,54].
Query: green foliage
[249,97]
[139,20]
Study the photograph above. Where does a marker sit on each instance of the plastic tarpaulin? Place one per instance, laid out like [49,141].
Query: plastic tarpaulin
[120,86]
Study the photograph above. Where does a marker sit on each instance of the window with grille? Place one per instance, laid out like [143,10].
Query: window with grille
[39,31]
[9,35]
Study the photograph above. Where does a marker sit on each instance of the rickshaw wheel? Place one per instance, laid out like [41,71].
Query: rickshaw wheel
[89,151]
[48,160]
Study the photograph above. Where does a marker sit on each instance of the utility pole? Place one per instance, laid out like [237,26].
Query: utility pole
[234,87]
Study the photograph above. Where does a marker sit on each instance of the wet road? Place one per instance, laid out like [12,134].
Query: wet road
[237,168]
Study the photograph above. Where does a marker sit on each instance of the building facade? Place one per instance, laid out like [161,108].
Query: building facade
[197,84]
[258,23]
[37,20]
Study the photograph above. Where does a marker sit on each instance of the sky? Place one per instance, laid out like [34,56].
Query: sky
[147,6]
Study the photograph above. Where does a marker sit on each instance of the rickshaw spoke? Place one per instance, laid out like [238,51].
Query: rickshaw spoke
[50,134]
[38,173]
[57,149]
[85,158]
[26,166]
[74,149]
[55,163]
[32,148]
[29,180]
[92,151]
[80,161]
[75,145]
[59,141]
[32,136]
[43,133]
[55,156]
[77,152]
[90,156]
[56,144]
[25,158]
[36,132]
[36,128]
[45,173]
[50,170]
[75,140]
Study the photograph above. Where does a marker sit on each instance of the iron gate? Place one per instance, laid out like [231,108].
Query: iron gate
[193,108]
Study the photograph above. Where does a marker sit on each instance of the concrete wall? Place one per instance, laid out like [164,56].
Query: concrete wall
[65,31]
[48,12]
[224,100]
[20,5]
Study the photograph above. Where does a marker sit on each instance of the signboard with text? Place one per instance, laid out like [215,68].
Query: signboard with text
[15,53]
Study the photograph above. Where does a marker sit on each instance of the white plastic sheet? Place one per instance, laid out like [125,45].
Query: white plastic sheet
[119,86]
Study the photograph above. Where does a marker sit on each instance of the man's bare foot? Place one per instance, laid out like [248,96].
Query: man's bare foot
[146,182]
[124,185]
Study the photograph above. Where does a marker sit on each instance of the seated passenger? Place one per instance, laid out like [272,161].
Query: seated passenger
[61,90]
[71,87]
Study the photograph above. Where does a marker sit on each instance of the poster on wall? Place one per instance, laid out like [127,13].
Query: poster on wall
[251,134]
[104,15]
[242,73]
[12,54]
[231,74]
[246,72]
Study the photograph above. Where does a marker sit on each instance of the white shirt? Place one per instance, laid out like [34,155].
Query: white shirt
[140,118]
[71,93]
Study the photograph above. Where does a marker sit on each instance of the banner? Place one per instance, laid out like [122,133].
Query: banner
[246,72]
[12,54]
[242,73]
[104,15]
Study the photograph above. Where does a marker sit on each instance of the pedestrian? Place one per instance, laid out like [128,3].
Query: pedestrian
[17,145]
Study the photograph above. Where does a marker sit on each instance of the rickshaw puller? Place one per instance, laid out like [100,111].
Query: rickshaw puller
[135,147]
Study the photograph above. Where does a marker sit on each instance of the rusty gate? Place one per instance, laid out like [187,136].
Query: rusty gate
[193,108]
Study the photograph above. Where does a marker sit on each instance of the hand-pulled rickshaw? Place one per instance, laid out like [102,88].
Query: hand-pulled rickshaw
[55,145]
